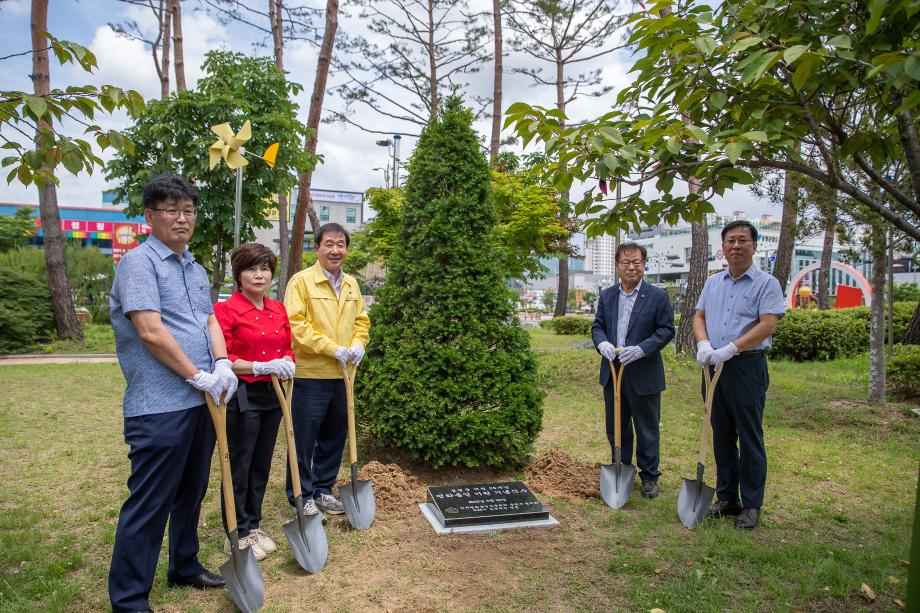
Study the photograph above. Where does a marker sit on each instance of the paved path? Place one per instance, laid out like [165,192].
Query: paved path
[59,358]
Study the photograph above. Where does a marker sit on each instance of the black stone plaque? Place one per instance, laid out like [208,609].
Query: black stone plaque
[485,503]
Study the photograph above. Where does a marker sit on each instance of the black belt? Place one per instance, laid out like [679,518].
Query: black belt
[753,353]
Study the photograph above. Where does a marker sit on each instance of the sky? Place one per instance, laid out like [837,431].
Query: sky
[350,153]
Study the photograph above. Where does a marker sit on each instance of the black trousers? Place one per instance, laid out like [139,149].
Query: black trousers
[641,413]
[737,429]
[170,457]
[320,416]
[251,436]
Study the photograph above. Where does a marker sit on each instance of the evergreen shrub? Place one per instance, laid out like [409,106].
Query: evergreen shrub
[449,375]
[570,324]
[806,335]
[903,369]
[25,311]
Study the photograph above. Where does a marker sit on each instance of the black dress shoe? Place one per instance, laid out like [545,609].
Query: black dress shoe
[725,507]
[204,581]
[650,489]
[747,520]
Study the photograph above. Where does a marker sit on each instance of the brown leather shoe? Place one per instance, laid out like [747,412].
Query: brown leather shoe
[650,489]
[721,508]
[747,520]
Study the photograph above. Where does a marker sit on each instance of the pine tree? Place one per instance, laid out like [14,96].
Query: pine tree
[449,376]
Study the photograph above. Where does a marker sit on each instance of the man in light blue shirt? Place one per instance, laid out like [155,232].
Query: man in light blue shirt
[171,351]
[736,315]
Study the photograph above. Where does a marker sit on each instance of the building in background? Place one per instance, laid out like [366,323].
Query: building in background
[343,208]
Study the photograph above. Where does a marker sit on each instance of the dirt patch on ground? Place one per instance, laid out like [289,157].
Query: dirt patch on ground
[396,491]
[558,474]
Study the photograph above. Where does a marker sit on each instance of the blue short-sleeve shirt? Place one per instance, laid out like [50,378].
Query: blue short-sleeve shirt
[734,306]
[152,278]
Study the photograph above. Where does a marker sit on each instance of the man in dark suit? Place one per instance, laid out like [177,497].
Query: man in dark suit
[637,318]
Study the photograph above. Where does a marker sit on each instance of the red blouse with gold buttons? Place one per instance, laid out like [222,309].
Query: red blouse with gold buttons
[253,334]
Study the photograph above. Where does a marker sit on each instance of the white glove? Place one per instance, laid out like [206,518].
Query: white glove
[284,369]
[341,354]
[703,351]
[607,350]
[208,383]
[631,354]
[356,354]
[723,354]
[223,368]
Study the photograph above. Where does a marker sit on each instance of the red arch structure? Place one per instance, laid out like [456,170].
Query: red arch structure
[861,282]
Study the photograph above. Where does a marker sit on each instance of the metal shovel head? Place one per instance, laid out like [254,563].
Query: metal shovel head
[359,503]
[617,483]
[307,539]
[243,577]
[693,502]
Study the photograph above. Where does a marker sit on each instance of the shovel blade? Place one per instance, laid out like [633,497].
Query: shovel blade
[359,503]
[308,541]
[243,577]
[693,502]
[617,485]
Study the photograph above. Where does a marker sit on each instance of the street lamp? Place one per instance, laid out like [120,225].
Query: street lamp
[392,146]
[386,174]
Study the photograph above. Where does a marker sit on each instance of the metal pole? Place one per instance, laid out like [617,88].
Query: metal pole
[396,139]
[237,206]
[890,291]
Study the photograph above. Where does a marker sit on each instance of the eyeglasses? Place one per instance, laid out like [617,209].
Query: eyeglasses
[172,213]
[632,263]
[741,242]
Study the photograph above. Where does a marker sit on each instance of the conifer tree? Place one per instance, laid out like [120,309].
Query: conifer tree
[449,376]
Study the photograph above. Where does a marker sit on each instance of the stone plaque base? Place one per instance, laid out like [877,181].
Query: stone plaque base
[485,503]
[428,513]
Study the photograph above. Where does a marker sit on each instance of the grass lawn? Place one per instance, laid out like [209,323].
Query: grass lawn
[837,513]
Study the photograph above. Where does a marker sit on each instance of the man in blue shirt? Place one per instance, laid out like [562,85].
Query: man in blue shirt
[736,315]
[638,318]
[171,349]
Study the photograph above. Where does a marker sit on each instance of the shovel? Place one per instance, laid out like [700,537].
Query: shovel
[358,496]
[241,571]
[617,478]
[695,496]
[305,534]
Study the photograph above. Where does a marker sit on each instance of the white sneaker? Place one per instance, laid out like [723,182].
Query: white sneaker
[309,507]
[263,540]
[247,541]
[329,504]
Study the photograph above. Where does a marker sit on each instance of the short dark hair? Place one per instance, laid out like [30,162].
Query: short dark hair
[168,187]
[740,223]
[248,255]
[630,247]
[330,228]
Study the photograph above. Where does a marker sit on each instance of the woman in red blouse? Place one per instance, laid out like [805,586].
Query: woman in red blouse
[258,337]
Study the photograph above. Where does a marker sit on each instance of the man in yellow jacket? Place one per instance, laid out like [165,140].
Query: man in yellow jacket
[329,328]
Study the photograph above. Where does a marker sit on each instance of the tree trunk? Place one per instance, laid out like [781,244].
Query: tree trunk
[65,320]
[178,51]
[304,202]
[786,245]
[827,250]
[497,85]
[218,265]
[877,321]
[562,289]
[912,334]
[275,19]
[166,25]
[696,278]
[432,67]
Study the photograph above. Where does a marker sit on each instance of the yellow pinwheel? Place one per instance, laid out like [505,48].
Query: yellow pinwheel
[229,146]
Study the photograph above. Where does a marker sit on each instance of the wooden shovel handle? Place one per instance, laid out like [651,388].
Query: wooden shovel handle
[348,374]
[617,385]
[284,399]
[219,417]
[707,415]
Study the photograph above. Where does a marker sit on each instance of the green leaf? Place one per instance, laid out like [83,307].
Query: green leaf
[876,7]
[745,43]
[756,135]
[611,134]
[698,133]
[718,100]
[912,67]
[38,106]
[673,145]
[706,44]
[804,70]
[793,53]
[841,41]
[734,150]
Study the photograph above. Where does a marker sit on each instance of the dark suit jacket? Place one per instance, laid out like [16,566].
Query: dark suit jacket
[651,327]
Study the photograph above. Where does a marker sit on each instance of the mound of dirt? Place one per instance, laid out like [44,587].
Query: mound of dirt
[396,492]
[558,474]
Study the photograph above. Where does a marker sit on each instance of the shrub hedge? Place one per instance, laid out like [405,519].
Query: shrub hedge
[903,369]
[804,335]
[25,311]
[572,324]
